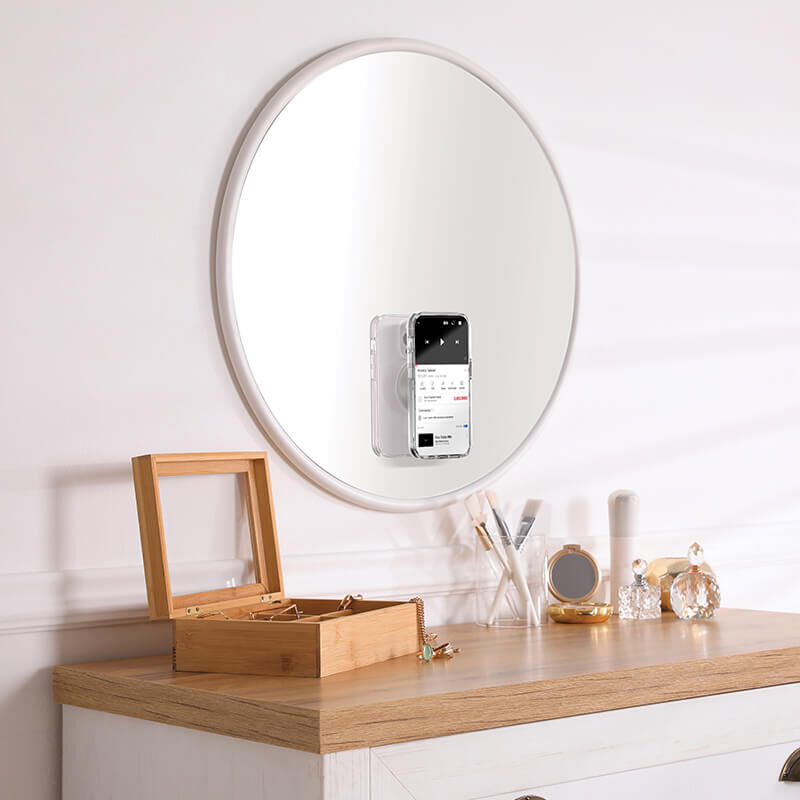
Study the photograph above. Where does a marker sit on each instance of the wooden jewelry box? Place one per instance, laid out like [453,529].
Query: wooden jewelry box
[255,629]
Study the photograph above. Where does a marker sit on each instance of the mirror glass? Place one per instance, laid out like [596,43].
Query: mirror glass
[573,576]
[393,183]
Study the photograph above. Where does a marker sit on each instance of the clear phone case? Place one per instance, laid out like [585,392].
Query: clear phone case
[389,385]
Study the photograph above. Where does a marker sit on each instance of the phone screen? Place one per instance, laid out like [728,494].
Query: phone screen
[441,414]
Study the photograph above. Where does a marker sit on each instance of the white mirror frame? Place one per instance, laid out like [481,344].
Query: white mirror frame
[271,426]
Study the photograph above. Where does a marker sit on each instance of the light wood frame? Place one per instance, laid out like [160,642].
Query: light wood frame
[253,471]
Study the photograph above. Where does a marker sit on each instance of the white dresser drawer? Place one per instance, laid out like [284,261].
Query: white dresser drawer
[744,775]
[730,743]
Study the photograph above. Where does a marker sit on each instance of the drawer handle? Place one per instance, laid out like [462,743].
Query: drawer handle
[530,797]
[791,769]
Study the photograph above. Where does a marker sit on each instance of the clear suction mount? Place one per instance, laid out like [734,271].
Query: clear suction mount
[401,384]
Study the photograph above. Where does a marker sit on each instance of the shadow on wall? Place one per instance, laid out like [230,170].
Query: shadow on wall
[96,553]
[87,500]
[30,759]
[93,525]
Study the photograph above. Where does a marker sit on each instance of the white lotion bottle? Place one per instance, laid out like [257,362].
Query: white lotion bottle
[623,523]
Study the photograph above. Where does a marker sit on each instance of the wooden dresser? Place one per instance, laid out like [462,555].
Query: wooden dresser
[560,712]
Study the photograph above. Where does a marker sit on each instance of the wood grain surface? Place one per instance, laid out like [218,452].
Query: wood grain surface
[502,677]
[325,641]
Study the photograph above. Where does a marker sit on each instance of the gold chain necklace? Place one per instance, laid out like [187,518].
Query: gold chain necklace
[427,652]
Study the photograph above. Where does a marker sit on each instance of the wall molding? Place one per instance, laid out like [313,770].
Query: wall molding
[757,566]
[44,601]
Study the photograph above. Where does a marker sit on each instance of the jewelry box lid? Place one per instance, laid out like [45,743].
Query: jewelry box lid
[253,471]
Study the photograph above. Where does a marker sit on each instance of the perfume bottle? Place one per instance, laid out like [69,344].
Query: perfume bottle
[695,593]
[639,600]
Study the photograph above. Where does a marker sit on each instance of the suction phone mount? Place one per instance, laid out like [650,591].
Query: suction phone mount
[402,375]
[402,387]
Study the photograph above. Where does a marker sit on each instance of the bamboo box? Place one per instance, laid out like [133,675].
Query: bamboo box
[256,629]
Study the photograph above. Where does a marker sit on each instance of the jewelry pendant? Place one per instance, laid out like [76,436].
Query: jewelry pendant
[426,654]
[426,640]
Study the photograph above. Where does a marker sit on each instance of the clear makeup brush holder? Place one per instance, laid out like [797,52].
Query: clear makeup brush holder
[499,602]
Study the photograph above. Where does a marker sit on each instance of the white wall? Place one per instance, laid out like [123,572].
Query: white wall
[675,127]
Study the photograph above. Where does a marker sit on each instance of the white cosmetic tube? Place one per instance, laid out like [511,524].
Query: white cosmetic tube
[623,522]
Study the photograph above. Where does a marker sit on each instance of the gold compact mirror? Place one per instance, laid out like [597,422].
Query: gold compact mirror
[572,574]
[580,613]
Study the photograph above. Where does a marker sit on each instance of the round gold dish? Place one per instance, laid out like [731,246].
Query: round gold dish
[579,613]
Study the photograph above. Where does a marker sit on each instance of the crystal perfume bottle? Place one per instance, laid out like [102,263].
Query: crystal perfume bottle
[695,593]
[639,600]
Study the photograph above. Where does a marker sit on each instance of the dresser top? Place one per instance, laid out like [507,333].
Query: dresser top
[501,677]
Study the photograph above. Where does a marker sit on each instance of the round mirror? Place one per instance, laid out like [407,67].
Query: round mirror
[392,178]
[573,574]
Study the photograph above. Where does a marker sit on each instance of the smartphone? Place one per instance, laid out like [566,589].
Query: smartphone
[440,385]
[389,385]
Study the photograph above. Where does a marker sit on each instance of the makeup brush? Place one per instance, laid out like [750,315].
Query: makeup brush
[529,515]
[514,562]
[500,594]
[502,568]
[473,505]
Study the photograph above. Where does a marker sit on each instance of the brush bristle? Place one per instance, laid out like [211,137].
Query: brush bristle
[492,498]
[473,505]
[532,508]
